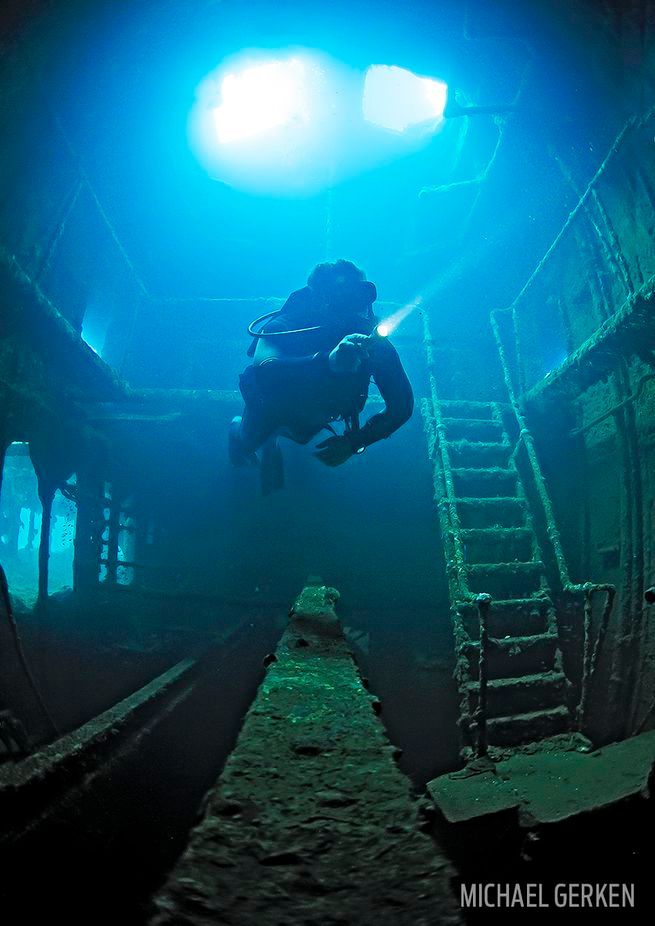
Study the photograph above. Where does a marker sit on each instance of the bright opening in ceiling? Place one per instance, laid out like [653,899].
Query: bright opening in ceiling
[296,122]
[396,99]
[260,98]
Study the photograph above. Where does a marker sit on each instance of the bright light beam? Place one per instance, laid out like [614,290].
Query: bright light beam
[388,325]
[259,98]
[396,99]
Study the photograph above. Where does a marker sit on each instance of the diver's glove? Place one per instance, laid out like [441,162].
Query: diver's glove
[347,356]
[334,451]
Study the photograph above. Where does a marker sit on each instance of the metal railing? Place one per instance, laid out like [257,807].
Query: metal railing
[456,569]
[588,589]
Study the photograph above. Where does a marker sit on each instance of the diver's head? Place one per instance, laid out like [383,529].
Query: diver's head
[342,289]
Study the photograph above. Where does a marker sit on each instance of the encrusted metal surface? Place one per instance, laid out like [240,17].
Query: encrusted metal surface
[311,820]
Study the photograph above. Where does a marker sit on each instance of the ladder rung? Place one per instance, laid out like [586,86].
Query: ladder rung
[483,422]
[532,715]
[534,565]
[482,533]
[502,472]
[491,500]
[463,444]
[513,728]
[511,604]
[539,680]
[502,643]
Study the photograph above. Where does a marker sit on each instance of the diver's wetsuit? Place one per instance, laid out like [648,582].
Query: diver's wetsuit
[295,393]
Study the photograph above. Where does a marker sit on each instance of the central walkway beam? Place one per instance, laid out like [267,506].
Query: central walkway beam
[311,820]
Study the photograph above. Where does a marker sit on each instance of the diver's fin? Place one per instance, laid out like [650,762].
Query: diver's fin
[272,468]
[236,452]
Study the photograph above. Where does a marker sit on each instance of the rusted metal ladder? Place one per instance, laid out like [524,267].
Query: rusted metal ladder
[509,664]
[509,667]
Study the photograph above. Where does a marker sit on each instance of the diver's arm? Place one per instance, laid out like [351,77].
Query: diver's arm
[396,391]
[391,380]
[344,358]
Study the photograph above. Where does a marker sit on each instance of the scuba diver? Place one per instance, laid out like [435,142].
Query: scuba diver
[313,361]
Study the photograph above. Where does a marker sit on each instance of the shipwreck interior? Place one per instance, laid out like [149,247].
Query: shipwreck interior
[430,666]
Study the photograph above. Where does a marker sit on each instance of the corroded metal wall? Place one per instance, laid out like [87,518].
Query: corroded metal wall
[580,343]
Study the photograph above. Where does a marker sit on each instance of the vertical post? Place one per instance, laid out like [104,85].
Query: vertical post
[610,592]
[484,604]
[46,495]
[4,443]
[88,532]
[140,542]
[586,658]
[31,529]
[113,530]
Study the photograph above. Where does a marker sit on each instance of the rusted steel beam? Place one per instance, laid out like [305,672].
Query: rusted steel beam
[630,330]
[24,298]
[311,820]
[168,404]
[31,790]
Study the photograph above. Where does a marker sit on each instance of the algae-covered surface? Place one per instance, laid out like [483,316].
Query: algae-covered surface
[311,820]
[550,785]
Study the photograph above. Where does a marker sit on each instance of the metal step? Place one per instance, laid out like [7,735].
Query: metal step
[498,544]
[506,696]
[513,617]
[460,408]
[493,482]
[526,689]
[478,453]
[506,580]
[491,512]
[525,728]
[511,657]
[473,429]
